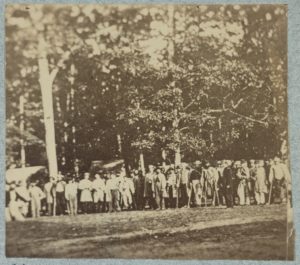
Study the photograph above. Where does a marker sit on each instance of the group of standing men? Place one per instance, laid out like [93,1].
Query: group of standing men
[224,182]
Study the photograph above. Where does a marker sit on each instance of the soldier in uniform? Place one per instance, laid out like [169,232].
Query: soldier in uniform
[160,189]
[184,185]
[48,190]
[36,195]
[139,190]
[171,188]
[194,178]
[260,185]
[127,191]
[251,181]
[60,194]
[71,192]
[228,184]
[278,177]
[85,185]
[149,187]
[243,177]
[221,190]
[98,186]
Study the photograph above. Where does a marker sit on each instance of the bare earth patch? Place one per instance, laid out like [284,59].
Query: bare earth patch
[253,232]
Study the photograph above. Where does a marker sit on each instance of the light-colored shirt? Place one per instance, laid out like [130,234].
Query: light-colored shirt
[60,186]
[98,184]
[36,193]
[112,184]
[71,190]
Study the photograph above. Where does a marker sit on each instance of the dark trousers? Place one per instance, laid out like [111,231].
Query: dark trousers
[98,207]
[279,192]
[229,197]
[151,202]
[184,196]
[114,204]
[221,193]
[85,207]
[140,200]
[60,203]
[170,202]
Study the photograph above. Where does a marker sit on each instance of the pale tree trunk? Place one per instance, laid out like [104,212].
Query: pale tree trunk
[119,140]
[171,52]
[164,157]
[72,101]
[46,82]
[22,152]
[142,163]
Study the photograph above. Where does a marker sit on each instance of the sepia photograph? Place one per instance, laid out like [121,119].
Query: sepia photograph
[147,131]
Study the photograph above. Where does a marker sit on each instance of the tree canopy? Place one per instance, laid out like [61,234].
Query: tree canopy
[131,79]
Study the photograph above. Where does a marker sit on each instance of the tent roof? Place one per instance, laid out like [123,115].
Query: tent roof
[22,174]
[113,164]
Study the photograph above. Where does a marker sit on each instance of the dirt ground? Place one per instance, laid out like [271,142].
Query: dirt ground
[254,232]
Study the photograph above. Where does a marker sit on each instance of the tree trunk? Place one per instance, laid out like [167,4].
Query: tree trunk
[171,52]
[22,152]
[164,157]
[46,82]
[177,156]
[142,163]
[119,140]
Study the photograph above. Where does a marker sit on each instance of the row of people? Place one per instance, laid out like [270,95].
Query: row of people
[223,183]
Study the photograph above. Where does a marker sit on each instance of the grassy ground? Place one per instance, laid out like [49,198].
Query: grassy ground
[255,232]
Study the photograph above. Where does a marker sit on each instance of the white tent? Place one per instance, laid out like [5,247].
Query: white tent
[22,174]
[113,164]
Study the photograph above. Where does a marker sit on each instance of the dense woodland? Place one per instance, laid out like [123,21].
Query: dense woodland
[152,82]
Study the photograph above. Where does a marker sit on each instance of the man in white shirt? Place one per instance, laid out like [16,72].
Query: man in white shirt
[113,186]
[279,176]
[98,186]
[36,195]
[48,190]
[71,191]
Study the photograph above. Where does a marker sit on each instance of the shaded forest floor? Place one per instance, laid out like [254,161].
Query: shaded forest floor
[254,232]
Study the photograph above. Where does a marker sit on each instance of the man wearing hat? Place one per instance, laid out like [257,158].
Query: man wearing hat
[60,194]
[48,190]
[260,179]
[228,183]
[149,187]
[183,185]
[85,185]
[221,189]
[279,175]
[194,178]
[160,189]
[243,176]
[19,199]
[98,186]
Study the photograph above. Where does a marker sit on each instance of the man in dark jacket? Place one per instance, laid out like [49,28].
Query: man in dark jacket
[228,184]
